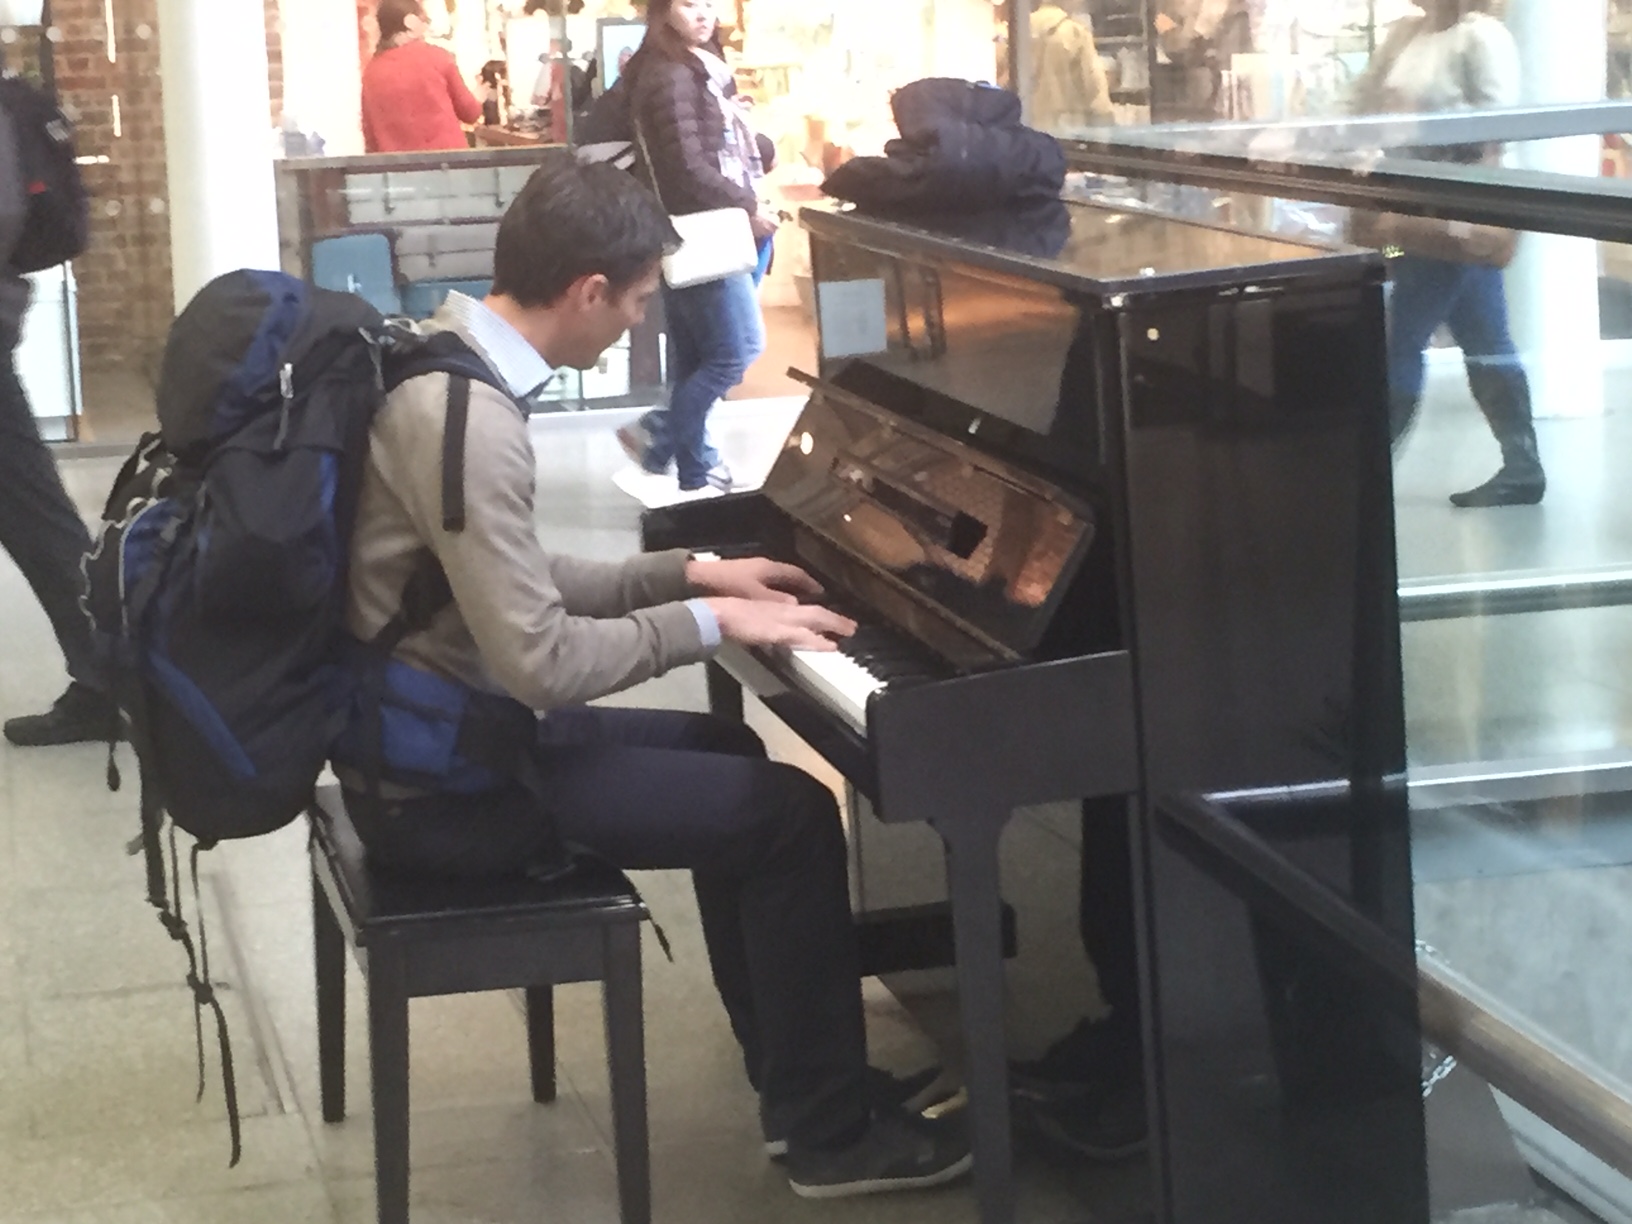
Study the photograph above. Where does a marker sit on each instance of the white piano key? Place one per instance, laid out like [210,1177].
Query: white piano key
[839,682]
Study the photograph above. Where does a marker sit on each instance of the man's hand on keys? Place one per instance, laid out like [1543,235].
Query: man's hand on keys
[795,626]
[755,578]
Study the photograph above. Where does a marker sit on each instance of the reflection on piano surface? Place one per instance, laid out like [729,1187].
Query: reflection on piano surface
[1109,499]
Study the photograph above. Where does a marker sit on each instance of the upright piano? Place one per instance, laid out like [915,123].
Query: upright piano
[1109,495]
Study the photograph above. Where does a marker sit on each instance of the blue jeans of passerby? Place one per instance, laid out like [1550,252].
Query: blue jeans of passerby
[715,334]
[1471,300]
[767,247]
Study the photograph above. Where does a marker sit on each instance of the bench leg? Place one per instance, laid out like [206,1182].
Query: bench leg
[388,1058]
[626,1062]
[329,948]
[541,1041]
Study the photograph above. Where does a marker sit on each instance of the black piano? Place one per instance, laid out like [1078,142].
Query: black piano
[1109,495]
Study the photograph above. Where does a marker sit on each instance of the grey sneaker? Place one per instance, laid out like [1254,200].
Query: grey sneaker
[897,1152]
[717,477]
[911,1093]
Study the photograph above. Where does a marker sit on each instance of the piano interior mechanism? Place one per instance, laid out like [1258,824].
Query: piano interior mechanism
[1108,494]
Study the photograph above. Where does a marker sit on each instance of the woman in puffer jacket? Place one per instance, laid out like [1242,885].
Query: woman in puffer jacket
[703,156]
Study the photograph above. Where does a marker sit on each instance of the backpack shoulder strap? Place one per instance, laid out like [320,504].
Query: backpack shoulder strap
[447,353]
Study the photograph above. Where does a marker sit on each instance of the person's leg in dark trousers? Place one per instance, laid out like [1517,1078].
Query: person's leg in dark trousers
[1479,324]
[664,789]
[661,789]
[45,536]
[1086,1093]
[1421,298]
[650,789]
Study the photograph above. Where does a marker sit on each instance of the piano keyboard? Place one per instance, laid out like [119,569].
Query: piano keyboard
[872,660]
[838,682]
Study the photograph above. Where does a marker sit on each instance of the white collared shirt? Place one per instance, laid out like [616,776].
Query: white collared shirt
[503,347]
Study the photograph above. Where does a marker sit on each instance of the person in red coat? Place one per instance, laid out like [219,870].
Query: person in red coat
[413,96]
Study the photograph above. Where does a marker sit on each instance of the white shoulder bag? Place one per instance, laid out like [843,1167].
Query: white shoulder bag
[714,245]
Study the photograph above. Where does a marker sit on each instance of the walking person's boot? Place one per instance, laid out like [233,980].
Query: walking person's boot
[1503,393]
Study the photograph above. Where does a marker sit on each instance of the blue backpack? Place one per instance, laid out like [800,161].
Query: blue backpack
[217,587]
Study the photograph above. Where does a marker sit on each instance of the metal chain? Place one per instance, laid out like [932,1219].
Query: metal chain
[1445,1066]
[1438,1075]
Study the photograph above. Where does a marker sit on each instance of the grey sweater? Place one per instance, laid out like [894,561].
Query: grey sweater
[548,630]
[13,208]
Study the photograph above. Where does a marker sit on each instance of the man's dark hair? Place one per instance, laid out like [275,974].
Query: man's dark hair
[572,221]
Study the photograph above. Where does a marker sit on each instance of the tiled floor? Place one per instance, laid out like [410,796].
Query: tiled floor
[98,1122]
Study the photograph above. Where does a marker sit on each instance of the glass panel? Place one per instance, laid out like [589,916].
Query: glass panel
[406,230]
[1207,60]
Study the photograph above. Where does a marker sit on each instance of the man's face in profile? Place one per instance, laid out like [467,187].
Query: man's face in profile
[600,316]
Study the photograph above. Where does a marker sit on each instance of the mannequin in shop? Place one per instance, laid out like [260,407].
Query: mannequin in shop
[39,527]
[1069,86]
[702,156]
[1456,57]
[414,98]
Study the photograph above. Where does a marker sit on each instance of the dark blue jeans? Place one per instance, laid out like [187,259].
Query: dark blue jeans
[715,334]
[662,789]
[1471,300]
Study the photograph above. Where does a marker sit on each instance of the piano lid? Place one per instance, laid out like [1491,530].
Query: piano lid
[990,547]
[1104,250]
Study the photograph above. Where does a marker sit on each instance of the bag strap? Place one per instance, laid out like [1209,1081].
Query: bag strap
[646,156]
[454,430]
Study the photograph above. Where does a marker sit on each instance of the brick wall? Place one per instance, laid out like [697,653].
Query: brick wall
[124,278]
[125,296]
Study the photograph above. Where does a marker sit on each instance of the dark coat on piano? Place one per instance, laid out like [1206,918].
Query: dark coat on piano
[962,147]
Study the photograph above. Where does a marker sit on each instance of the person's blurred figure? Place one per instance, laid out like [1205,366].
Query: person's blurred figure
[39,527]
[703,154]
[1456,57]
[414,99]
[1069,87]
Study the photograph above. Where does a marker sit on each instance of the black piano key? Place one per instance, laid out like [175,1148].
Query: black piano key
[890,655]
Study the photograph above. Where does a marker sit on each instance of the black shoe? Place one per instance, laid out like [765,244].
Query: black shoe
[1091,1056]
[1514,485]
[911,1093]
[81,715]
[1105,1127]
[897,1152]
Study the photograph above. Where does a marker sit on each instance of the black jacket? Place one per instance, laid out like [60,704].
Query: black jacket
[962,147]
[684,129]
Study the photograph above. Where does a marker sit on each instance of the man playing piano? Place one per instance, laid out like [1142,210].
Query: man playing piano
[577,261]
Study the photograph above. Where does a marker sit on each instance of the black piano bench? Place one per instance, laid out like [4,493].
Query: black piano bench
[415,938]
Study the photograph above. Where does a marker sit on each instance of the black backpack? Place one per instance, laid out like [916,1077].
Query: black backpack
[57,226]
[217,587]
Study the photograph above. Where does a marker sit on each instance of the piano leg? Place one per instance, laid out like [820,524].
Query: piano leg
[724,693]
[977,921]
